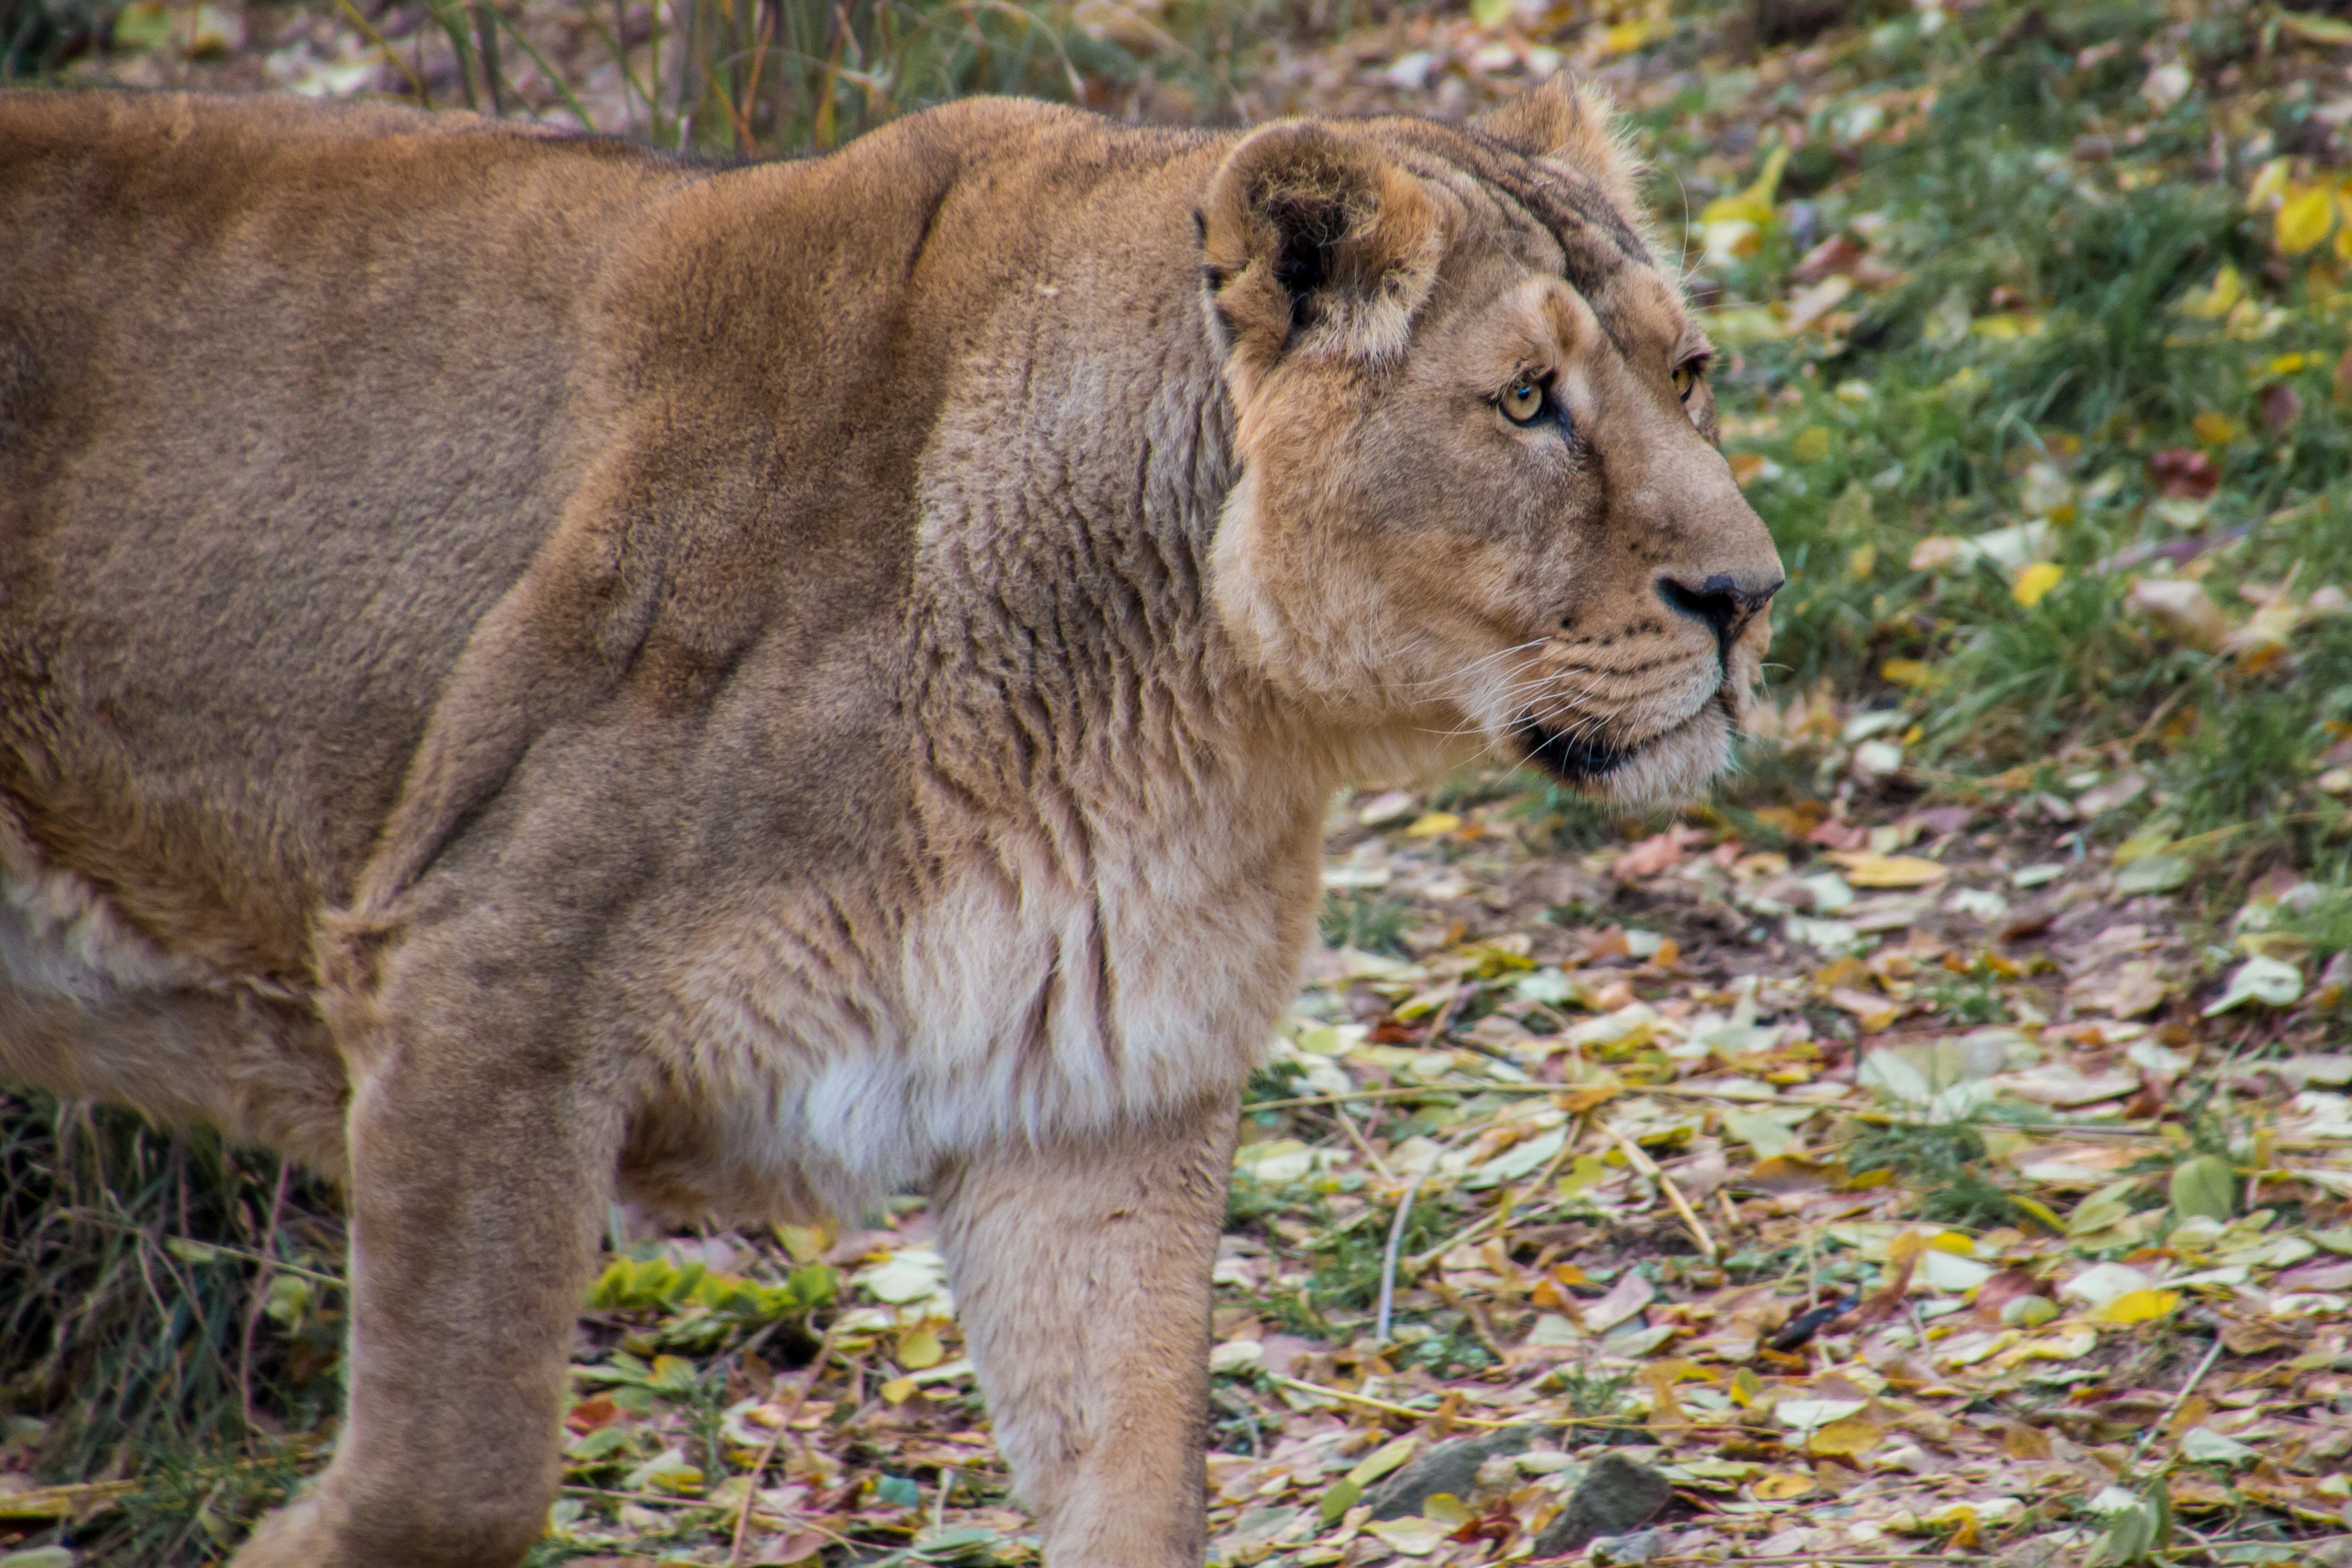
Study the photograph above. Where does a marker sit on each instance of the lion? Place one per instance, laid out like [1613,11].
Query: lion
[535,672]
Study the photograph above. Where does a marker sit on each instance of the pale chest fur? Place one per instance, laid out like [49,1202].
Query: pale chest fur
[1016,1002]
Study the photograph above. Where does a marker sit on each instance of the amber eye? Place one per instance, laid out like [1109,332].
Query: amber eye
[1686,380]
[1523,402]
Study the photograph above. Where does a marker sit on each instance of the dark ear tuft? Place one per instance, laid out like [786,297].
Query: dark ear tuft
[1319,242]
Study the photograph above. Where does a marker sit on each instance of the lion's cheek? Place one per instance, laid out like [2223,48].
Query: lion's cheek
[1303,617]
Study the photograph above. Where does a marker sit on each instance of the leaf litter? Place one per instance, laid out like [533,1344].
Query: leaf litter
[1941,1143]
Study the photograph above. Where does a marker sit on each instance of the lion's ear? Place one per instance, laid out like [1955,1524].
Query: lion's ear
[1568,122]
[1313,241]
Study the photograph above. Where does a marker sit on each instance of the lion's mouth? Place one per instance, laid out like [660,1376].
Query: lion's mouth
[1566,757]
[1577,760]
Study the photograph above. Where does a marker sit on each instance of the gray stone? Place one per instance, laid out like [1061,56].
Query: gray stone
[1451,1466]
[1638,1547]
[1616,1495]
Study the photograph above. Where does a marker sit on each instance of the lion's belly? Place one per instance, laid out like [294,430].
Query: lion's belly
[90,1006]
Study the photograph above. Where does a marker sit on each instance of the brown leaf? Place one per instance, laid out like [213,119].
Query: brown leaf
[2259,1336]
[2280,406]
[1838,253]
[2019,1441]
[2184,473]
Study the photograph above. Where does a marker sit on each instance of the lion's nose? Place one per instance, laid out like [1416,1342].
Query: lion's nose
[1723,602]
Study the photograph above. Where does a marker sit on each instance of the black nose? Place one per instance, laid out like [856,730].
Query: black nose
[1721,601]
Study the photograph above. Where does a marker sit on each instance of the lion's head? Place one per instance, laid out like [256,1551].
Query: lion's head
[1481,493]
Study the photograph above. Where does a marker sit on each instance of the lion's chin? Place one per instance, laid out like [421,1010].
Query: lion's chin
[1672,765]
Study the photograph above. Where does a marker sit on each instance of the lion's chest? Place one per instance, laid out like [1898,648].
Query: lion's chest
[1003,1010]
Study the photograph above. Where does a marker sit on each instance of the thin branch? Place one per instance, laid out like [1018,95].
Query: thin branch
[783,1426]
[1389,1259]
[416,83]
[260,1290]
[1641,1160]
[2177,1401]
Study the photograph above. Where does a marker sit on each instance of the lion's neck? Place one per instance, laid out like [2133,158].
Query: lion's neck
[1074,688]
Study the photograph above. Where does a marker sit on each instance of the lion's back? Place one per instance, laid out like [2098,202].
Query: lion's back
[283,410]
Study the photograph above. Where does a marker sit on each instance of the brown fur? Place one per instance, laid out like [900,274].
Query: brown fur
[530,671]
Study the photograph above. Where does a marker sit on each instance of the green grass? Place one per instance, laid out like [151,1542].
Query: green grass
[1363,920]
[1942,1163]
[128,1324]
[1917,421]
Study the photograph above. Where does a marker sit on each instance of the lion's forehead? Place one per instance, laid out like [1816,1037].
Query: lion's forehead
[1556,222]
[1566,211]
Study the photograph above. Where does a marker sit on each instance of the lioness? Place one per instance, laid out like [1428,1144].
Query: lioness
[532,670]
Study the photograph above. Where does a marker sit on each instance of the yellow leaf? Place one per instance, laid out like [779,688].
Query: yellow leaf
[1782,1486]
[1745,1386]
[1444,1508]
[919,1348]
[1906,672]
[1624,37]
[2315,29]
[2141,1306]
[1754,204]
[2033,584]
[2216,430]
[1383,1459]
[1850,1437]
[1812,444]
[2217,299]
[2008,325]
[2302,220]
[1413,1537]
[2269,182]
[806,1242]
[898,1389]
[1862,559]
[2041,1214]
[1432,825]
[1863,869]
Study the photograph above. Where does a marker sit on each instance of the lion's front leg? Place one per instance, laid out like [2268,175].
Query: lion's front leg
[1081,1273]
[481,1166]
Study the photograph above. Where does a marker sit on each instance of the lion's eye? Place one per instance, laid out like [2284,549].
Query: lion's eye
[1686,380]
[1523,402]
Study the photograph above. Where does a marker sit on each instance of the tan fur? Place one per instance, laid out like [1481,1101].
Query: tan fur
[533,672]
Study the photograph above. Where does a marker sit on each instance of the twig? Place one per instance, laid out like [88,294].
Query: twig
[352,14]
[1347,1124]
[94,1217]
[261,1288]
[62,1503]
[1372,1403]
[1472,1313]
[783,1426]
[1642,1162]
[1500,1214]
[1445,1014]
[1431,1090]
[2177,1401]
[674,1500]
[1389,1259]
[1394,1409]
[1822,1557]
